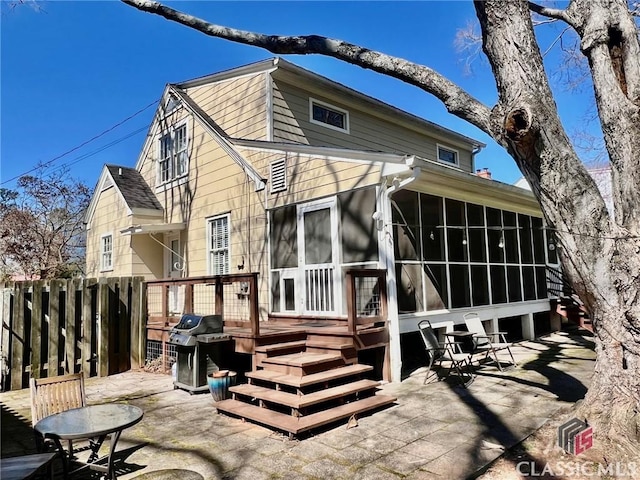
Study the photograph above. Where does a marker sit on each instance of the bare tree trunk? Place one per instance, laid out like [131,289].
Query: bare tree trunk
[599,254]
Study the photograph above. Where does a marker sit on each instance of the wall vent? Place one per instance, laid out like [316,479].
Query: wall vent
[278,176]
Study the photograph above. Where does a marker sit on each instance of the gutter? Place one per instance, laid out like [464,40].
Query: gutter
[388,260]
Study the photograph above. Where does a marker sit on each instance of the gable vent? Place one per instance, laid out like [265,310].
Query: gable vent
[278,176]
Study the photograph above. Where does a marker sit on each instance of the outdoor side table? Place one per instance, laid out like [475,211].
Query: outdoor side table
[94,422]
[463,337]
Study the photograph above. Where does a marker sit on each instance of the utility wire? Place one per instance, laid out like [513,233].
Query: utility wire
[98,150]
[49,162]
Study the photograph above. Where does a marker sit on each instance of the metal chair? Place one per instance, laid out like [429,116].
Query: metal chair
[483,340]
[444,352]
[54,395]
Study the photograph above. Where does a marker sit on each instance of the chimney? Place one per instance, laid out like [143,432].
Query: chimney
[120,172]
[484,173]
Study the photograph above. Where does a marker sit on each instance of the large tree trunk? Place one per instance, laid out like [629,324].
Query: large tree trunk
[600,254]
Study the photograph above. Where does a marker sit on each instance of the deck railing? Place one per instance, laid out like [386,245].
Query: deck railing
[235,297]
[366,297]
[232,296]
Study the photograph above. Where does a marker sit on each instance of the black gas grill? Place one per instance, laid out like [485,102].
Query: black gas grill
[200,347]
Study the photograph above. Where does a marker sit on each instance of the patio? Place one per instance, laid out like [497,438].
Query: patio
[438,430]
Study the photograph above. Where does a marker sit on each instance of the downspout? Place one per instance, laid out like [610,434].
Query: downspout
[476,150]
[389,262]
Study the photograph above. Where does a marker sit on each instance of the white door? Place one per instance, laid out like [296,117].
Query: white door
[174,266]
[318,251]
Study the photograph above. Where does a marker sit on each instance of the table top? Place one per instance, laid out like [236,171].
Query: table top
[458,333]
[90,421]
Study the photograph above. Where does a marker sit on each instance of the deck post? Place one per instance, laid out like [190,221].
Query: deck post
[254,313]
[351,303]
[219,294]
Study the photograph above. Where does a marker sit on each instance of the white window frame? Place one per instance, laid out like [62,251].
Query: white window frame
[104,254]
[314,101]
[210,251]
[288,274]
[449,149]
[173,155]
[282,163]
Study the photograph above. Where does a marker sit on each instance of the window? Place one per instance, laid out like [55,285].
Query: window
[172,154]
[471,255]
[106,252]
[447,155]
[278,176]
[329,116]
[218,232]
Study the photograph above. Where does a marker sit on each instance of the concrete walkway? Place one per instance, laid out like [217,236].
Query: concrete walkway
[435,431]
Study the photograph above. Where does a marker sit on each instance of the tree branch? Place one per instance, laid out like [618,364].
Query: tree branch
[555,13]
[457,101]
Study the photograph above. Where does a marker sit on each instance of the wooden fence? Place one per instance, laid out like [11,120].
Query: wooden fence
[52,327]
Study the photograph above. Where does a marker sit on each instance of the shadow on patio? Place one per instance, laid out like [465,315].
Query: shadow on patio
[434,431]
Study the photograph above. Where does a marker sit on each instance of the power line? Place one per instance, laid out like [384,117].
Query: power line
[102,148]
[49,162]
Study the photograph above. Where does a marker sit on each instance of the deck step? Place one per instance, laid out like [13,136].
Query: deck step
[279,347]
[303,359]
[298,425]
[278,378]
[329,345]
[302,401]
[302,363]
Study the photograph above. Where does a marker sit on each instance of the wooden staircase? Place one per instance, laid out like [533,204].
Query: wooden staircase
[298,386]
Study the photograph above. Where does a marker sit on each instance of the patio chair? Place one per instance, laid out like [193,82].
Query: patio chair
[54,395]
[490,343]
[444,352]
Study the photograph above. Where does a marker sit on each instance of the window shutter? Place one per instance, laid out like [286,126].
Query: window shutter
[278,176]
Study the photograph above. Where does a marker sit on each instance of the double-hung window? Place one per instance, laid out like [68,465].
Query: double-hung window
[218,233]
[172,154]
[106,252]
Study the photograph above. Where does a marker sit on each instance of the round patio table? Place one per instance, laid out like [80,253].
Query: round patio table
[94,422]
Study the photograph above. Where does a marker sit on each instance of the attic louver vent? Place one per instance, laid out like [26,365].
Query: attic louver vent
[278,176]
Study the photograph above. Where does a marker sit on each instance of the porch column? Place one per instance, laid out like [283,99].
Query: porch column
[493,325]
[528,329]
[385,242]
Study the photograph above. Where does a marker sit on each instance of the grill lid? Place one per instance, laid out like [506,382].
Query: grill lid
[194,324]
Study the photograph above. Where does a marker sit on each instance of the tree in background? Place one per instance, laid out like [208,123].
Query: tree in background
[42,226]
[599,251]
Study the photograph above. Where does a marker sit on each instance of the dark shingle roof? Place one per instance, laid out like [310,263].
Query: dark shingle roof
[134,189]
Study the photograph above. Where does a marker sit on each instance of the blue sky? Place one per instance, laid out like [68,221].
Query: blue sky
[76,69]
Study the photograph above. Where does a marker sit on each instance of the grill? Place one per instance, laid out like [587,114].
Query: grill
[200,348]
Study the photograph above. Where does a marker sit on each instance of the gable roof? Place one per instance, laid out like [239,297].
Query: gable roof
[131,187]
[135,191]
[376,106]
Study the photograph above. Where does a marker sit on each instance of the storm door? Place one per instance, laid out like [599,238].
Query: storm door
[173,269]
[318,253]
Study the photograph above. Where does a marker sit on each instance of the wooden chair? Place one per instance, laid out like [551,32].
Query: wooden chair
[54,395]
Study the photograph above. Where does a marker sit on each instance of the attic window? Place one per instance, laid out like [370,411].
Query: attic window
[172,104]
[447,155]
[328,116]
[278,176]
